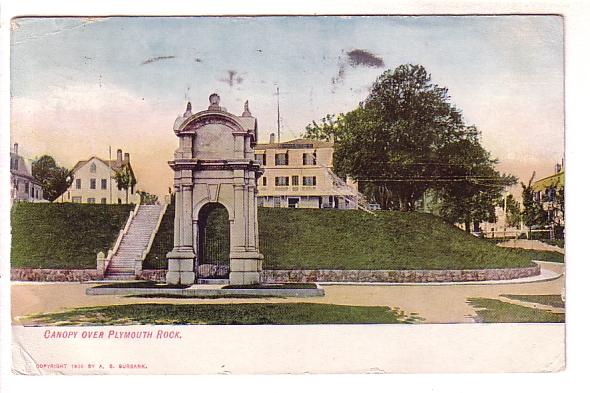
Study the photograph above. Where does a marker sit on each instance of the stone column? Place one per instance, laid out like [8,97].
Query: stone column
[177,216]
[245,260]
[182,257]
[187,218]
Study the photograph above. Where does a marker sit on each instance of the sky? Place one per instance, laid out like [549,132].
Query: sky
[80,85]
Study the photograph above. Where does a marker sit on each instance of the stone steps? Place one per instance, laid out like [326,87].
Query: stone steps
[134,242]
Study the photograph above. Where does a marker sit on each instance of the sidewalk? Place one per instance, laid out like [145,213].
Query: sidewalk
[434,303]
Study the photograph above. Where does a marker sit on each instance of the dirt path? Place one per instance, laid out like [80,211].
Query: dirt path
[434,303]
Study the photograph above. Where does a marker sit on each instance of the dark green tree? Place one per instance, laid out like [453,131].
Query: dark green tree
[54,180]
[126,180]
[473,189]
[406,138]
[533,213]
[513,213]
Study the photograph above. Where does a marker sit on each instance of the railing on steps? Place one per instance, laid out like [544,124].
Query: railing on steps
[102,263]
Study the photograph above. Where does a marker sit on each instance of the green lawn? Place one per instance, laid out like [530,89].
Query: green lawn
[63,235]
[547,300]
[224,314]
[496,311]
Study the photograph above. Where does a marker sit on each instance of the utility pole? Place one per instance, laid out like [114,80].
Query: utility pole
[278,117]
[110,179]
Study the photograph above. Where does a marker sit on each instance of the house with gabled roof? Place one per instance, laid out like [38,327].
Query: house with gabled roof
[23,186]
[94,181]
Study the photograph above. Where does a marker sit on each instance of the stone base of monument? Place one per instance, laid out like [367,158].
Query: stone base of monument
[245,268]
[180,267]
[210,291]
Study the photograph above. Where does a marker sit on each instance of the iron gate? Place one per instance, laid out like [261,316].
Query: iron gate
[213,255]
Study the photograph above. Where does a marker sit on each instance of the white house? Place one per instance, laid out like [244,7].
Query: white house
[23,187]
[94,181]
[298,174]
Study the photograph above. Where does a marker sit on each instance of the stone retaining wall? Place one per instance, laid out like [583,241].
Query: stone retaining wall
[54,274]
[279,276]
[74,275]
[399,276]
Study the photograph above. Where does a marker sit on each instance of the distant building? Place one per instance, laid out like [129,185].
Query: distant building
[23,187]
[298,174]
[94,181]
[545,192]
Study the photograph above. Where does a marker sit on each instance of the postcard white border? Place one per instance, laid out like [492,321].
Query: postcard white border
[577,87]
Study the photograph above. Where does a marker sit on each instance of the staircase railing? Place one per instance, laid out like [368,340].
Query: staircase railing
[105,263]
[349,193]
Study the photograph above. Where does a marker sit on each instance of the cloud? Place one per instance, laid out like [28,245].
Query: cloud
[364,58]
[158,58]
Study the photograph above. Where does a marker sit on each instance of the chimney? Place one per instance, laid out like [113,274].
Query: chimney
[126,160]
[272,138]
[15,148]
[119,156]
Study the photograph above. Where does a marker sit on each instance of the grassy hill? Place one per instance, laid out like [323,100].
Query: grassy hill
[339,239]
[63,235]
[69,235]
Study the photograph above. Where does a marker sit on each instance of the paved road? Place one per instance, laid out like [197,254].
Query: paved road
[433,303]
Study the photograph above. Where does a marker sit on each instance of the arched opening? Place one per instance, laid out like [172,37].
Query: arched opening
[213,239]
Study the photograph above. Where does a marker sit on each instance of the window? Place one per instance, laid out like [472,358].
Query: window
[91,200]
[103,184]
[103,201]
[282,181]
[282,159]
[93,184]
[260,201]
[276,202]
[295,180]
[78,184]
[309,180]
[32,191]
[93,168]
[260,158]
[77,199]
[264,181]
[26,187]
[309,159]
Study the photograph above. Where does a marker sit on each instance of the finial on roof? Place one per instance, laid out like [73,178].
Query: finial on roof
[246,110]
[214,101]
[189,110]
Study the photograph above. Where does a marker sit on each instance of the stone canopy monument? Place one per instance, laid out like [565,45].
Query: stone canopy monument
[216,219]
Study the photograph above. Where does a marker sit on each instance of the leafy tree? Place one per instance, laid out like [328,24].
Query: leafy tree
[407,138]
[125,180]
[532,213]
[147,199]
[54,180]
[513,213]
[474,189]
